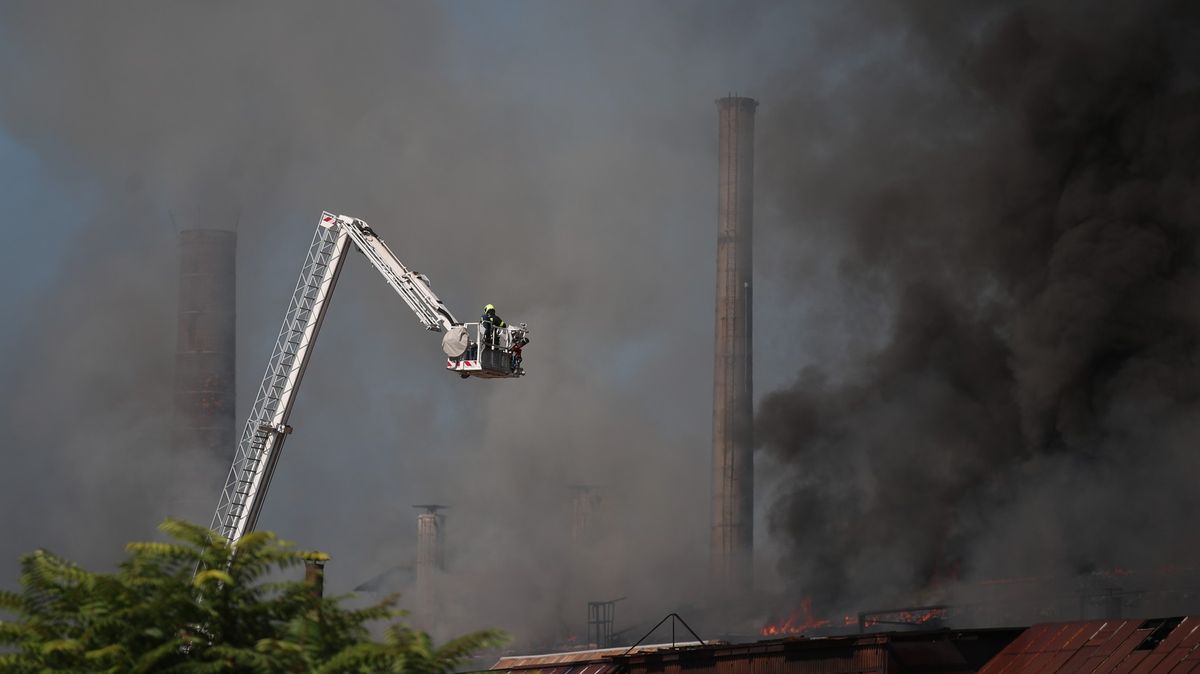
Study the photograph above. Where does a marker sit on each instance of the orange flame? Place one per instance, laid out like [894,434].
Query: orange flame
[798,622]
[803,620]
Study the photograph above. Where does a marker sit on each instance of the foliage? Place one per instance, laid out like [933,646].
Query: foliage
[158,614]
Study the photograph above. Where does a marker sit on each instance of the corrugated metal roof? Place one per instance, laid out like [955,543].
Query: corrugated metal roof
[548,662]
[586,668]
[1104,647]
[942,651]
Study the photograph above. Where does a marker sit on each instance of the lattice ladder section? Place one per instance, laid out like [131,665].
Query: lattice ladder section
[262,440]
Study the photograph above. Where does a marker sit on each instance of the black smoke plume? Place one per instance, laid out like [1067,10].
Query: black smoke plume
[1012,193]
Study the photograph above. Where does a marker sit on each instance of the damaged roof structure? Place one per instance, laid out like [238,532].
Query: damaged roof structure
[1136,646]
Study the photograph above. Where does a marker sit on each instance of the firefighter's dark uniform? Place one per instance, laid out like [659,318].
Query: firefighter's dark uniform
[489,321]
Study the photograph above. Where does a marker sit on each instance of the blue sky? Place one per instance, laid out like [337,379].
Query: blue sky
[42,220]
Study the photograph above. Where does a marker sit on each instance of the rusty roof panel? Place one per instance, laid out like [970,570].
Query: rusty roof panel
[1083,635]
[1115,647]
[1040,640]
[1110,634]
[1125,652]
[1082,662]
[1188,649]
[1057,662]
[1130,664]
[1000,663]
[1178,655]
[1192,640]
[1151,661]
[1064,638]
[1169,661]
[1014,660]
[1124,630]
[1018,644]
[1028,641]
[1182,631]
[1039,659]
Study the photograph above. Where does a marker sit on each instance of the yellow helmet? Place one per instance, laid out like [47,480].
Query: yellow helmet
[489,307]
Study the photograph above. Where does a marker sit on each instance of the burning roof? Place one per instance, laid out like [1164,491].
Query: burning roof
[944,651]
[1155,646]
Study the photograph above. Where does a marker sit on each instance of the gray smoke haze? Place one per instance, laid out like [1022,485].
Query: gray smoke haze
[557,160]
[1007,196]
[940,190]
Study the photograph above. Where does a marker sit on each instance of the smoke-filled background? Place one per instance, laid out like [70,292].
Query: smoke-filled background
[976,264]
[1006,205]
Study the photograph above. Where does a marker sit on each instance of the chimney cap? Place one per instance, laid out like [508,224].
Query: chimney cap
[733,100]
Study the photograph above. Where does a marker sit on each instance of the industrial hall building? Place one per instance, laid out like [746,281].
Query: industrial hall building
[1136,646]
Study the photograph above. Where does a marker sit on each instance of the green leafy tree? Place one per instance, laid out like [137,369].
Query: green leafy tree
[158,614]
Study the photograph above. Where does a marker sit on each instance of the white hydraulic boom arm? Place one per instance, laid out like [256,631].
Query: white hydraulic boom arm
[412,287]
[262,439]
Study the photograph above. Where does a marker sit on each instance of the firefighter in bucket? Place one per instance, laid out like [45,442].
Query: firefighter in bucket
[490,324]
